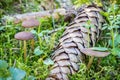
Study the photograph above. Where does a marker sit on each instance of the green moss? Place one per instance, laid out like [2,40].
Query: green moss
[11,49]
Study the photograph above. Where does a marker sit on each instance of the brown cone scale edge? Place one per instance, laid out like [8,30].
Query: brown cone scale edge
[75,38]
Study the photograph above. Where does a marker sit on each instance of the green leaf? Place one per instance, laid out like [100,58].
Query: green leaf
[105,27]
[40,34]
[37,51]
[80,2]
[17,74]
[110,42]
[4,73]
[31,78]
[48,61]
[105,14]
[3,64]
[116,51]
[9,78]
[117,40]
[9,26]
[33,31]
[1,28]
[99,48]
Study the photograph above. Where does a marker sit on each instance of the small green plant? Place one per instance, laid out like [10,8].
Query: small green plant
[36,66]
[87,2]
[110,40]
[11,73]
[112,28]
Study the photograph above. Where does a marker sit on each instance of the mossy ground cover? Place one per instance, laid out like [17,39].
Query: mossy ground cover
[38,61]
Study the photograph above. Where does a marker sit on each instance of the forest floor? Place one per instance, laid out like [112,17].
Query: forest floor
[13,66]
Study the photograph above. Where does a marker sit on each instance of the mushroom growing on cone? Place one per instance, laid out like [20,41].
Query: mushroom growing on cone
[92,53]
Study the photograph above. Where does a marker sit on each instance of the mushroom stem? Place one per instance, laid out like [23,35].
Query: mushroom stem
[99,60]
[24,36]
[20,43]
[32,43]
[25,50]
[90,62]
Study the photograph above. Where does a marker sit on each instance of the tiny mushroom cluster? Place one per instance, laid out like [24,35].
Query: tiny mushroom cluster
[25,35]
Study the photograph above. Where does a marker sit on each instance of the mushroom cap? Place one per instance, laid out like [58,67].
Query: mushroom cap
[90,52]
[24,36]
[30,23]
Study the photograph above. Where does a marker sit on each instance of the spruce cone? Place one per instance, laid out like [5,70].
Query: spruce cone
[76,37]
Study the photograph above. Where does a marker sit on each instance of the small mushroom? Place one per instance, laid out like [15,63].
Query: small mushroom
[30,23]
[92,53]
[24,36]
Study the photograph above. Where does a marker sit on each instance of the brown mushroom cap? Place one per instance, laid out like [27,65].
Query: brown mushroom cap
[30,23]
[24,36]
[90,52]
